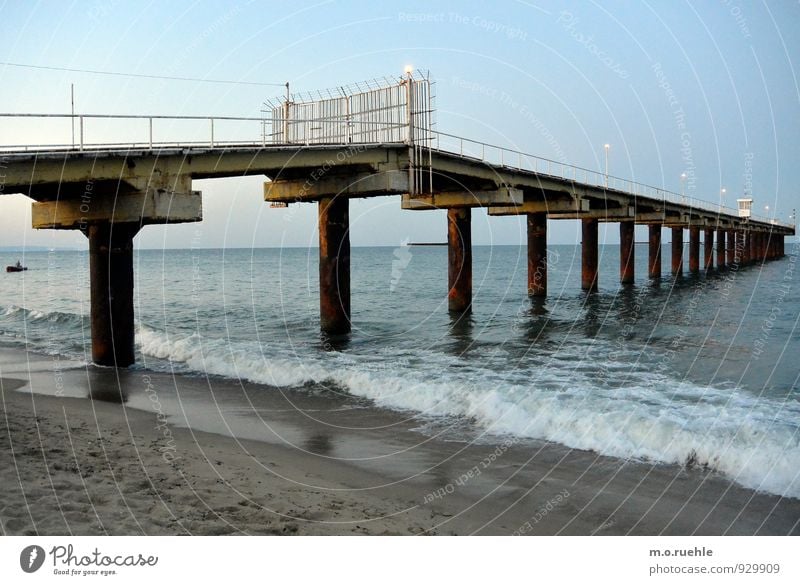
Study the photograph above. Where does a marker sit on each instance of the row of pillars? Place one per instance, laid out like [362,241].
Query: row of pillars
[739,247]
[111,267]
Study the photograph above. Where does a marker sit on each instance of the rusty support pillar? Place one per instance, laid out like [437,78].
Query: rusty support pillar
[720,249]
[459,256]
[741,250]
[334,265]
[677,251]
[756,248]
[626,252]
[694,250]
[730,252]
[708,249]
[589,255]
[654,251]
[746,241]
[537,254]
[111,292]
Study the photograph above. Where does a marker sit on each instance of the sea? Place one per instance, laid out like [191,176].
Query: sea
[701,370]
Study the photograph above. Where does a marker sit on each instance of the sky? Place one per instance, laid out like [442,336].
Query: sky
[706,88]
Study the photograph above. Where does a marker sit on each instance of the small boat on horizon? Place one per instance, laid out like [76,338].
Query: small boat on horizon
[16,267]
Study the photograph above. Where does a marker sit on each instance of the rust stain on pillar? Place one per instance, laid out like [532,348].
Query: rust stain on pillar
[677,250]
[334,265]
[537,254]
[589,255]
[747,242]
[459,259]
[757,256]
[708,249]
[654,251]
[731,248]
[626,252]
[720,249]
[694,250]
[111,292]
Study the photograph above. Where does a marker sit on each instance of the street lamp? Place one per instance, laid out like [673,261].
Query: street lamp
[607,147]
[722,198]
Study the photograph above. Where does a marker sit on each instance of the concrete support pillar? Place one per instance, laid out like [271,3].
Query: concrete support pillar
[752,256]
[708,249]
[654,251]
[334,265]
[694,250]
[459,257]
[589,255]
[720,249]
[626,252]
[111,292]
[537,254]
[730,251]
[677,251]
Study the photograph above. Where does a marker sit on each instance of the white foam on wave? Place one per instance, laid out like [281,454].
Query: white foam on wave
[755,441]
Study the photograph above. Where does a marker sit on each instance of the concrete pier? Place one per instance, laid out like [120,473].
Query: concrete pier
[720,249]
[677,251]
[459,259]
[334,265]
[110,220]
[708,249]
[537,254]
[626,252]
[654,251]
[694,250]
[111,292]
[589,255]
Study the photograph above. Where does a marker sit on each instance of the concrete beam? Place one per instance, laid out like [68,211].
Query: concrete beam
[551,208]
[355,185]
[501,196]
[149,207]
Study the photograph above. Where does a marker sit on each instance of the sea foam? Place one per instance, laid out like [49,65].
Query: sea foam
[753,440]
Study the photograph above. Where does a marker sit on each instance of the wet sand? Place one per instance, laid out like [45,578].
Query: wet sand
[95,451]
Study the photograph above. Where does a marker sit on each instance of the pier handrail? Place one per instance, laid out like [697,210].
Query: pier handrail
[438,142]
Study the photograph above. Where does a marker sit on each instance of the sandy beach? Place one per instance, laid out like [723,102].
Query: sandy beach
[89,451]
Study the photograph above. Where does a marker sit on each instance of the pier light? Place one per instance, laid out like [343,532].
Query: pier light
[607,147]
[409,70]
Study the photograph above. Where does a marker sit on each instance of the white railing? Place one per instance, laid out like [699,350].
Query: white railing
[258,132]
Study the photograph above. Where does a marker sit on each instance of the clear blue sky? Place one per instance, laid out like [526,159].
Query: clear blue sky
[706,87]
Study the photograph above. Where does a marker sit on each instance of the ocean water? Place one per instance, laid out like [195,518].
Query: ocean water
[703,370]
